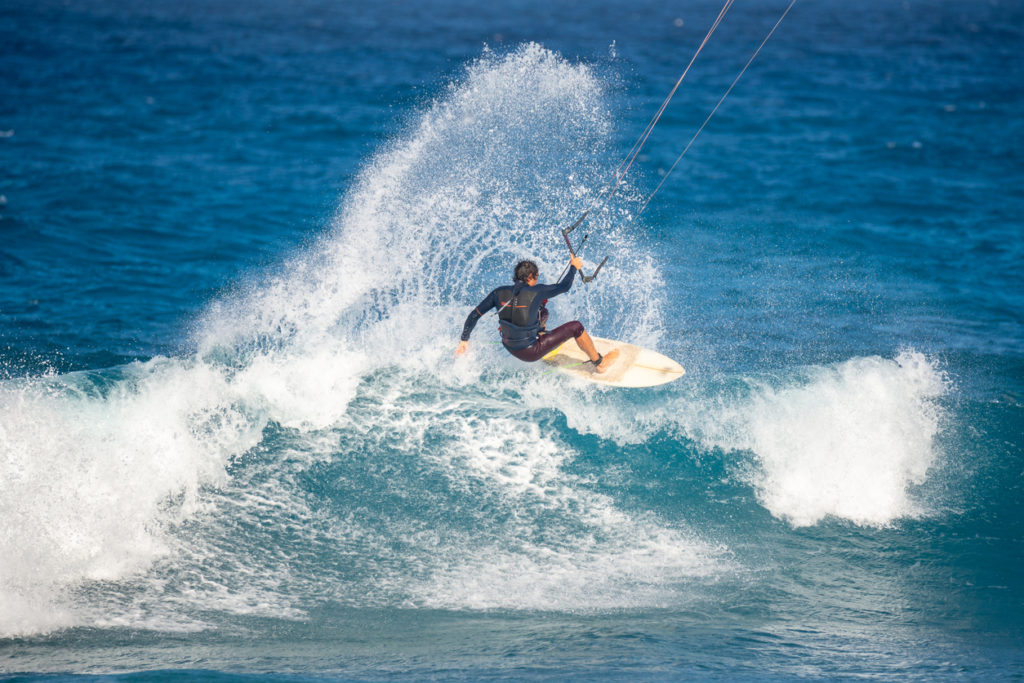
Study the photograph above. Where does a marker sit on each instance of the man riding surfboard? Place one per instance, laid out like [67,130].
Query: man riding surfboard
[522,318]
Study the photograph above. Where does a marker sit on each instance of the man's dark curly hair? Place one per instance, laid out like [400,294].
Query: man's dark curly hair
[524,271]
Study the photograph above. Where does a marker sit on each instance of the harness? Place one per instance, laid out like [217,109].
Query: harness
[517,330]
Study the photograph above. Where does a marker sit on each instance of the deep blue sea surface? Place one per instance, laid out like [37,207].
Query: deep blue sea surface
[238,241]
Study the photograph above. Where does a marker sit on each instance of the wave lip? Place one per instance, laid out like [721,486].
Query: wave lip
[851,442]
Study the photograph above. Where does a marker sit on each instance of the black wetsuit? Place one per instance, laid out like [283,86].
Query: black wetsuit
[522,316]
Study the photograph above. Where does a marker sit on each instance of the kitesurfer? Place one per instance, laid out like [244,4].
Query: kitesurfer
[522,318]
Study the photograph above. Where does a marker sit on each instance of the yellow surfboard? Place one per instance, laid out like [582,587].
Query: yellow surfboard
[635,366]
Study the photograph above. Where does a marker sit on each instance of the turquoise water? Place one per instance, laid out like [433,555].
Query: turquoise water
[238,246]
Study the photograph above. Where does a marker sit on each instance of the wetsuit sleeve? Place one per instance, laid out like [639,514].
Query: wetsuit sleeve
[561,288]
[489,302]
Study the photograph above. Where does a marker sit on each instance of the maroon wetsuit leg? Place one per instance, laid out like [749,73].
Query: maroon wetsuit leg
[549,342]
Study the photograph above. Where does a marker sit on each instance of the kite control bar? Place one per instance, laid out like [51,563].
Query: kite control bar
[565,236]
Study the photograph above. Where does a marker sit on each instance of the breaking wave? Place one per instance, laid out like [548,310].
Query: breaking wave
[321,444]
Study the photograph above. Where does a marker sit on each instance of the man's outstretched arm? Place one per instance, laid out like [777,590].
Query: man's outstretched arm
[489,302]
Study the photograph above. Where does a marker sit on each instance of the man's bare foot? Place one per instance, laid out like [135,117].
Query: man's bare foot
[608,360]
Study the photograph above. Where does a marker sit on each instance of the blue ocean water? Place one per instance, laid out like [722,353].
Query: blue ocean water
[238,242]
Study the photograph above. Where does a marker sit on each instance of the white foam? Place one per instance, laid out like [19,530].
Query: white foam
[94,475]
[848,441]
[307,391]
[86,475]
